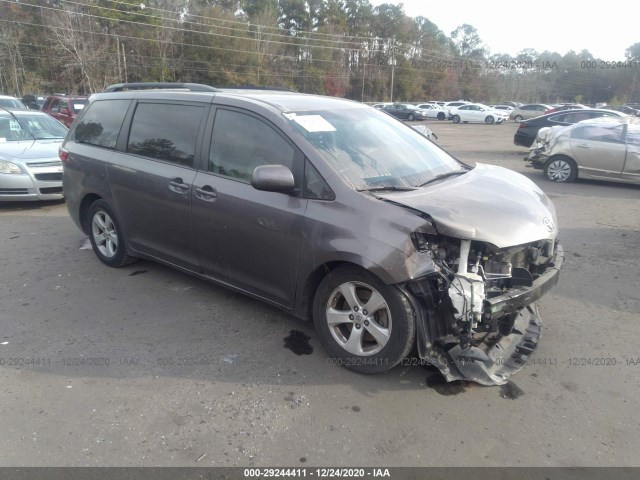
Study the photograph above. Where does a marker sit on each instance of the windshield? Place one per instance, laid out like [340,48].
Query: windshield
[370,149]
[30,127]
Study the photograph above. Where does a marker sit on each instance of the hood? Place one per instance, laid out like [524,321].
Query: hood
[489,204]
[30,150]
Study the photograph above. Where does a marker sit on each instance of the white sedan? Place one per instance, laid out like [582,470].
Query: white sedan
[477,112]
[433,111]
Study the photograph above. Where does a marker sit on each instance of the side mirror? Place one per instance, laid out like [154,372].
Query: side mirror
[272,178]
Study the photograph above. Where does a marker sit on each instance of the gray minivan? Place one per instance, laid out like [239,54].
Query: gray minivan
[327,208]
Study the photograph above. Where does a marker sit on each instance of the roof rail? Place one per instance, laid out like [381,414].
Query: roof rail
[256,87]
[194,87]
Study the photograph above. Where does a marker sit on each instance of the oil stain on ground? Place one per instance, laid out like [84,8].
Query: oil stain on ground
[440,385]
[511,391]
[298,343]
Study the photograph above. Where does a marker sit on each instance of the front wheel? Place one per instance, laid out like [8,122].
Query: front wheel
[517,118]
[441,116]
[561,169]
[456,119]
[364,325]
[489,120]
[106,236]
[411,117]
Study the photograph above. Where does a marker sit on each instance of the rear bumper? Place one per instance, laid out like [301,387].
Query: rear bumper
[523,140]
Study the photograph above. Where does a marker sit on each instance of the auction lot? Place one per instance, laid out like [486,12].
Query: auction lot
[147,366]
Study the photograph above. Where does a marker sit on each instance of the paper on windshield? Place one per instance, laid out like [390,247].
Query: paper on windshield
[314,123]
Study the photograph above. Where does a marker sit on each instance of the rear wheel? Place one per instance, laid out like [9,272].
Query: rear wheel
[456,119]
[441,116]
[489,120]
[365,325]
[411,117]
[106,236]
[561,169]
[518,118]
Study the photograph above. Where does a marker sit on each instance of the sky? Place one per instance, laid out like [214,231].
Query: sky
[605,29]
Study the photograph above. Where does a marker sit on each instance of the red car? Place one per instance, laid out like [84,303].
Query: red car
[64,108]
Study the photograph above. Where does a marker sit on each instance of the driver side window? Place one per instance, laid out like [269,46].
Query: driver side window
[242,142]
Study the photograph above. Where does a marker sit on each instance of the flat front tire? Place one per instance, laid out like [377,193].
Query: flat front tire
[364,325]
[106,235]
[561,169]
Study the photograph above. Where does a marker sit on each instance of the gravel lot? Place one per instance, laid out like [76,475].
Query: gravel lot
[146,366]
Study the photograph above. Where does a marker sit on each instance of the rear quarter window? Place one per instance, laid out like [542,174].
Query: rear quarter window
[101,123]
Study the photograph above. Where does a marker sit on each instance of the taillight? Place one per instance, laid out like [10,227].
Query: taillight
[63,154]
[522,125]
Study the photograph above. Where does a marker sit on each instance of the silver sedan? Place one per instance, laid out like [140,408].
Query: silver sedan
[601,149]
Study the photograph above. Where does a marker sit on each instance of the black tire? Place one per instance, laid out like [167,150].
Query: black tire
[517,118]
[106,235]
[456,119]
[489,120]
[392,323]
[441,116]
[411,117]
[561,169]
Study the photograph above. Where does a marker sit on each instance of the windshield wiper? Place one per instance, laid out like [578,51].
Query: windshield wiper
[443,175]
[392,188]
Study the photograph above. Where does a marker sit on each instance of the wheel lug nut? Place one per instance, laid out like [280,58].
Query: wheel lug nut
[366,323]
[355,309]
[350,317]
[358,326]
[364,312]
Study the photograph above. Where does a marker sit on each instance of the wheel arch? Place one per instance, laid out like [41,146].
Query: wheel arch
[85,205]
[313,279]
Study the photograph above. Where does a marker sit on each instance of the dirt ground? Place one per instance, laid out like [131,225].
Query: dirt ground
[146,366]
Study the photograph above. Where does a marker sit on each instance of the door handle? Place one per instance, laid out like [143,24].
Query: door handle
[582,145]
[177,185]
[206,193]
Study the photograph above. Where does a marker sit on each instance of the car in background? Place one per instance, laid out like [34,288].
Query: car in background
[11,103]
[504,108]
[450,106]
[433,110]
[477,113]
[382,105]
[567,106]
[528,130]
[33,102]
[530,110]
[405,111]
[600,149]
[64,108]
[29,165]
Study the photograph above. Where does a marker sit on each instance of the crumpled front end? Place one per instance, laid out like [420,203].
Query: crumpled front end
[545,141]
[476,313]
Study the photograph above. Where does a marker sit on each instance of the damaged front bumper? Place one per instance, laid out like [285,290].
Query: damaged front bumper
[501,341]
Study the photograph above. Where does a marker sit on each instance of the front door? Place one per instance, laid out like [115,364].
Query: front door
[246,237]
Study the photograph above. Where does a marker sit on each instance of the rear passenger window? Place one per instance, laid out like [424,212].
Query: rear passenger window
[240,143]
[101,124]
[166,132]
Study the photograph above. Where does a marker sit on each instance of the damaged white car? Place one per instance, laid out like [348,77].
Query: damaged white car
[598,149]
